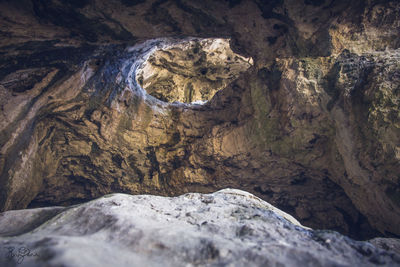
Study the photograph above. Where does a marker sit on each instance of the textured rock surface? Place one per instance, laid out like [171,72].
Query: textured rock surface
[312,127]
[391,244]
[229,228]
[192,71]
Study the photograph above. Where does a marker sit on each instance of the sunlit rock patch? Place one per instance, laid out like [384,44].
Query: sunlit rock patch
[191,71]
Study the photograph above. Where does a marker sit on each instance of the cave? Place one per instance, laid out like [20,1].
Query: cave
[208,113]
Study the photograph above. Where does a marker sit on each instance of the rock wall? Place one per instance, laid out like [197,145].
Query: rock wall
[312,126]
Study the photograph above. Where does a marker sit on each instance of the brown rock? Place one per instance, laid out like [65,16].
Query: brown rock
[312,126]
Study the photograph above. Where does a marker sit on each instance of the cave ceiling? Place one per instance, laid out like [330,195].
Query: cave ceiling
[294,101]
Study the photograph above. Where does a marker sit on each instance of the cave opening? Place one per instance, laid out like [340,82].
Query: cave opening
[191,71]
[141,124]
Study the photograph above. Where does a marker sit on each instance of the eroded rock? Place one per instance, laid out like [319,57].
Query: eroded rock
[191,71]
[312,126]
[229,227]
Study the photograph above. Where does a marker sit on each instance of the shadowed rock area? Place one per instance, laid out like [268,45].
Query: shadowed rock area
[229,227]
[312,126]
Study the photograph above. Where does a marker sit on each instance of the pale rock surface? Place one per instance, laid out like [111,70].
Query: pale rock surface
[191,71]
[227,228]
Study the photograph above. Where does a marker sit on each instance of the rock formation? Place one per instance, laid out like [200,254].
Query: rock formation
[192,71]
[312,126]
[226,228]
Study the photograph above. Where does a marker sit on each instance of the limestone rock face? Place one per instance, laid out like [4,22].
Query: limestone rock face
[229,227]
[312,126]
[192,71]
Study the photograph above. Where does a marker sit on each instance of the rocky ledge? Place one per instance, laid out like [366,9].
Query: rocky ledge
[226,228]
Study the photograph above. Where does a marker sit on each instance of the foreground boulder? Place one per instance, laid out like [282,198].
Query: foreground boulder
[229,227]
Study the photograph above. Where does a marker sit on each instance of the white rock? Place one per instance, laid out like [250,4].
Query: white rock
[226,228]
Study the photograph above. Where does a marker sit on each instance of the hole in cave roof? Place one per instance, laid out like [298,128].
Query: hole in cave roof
[192,71]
